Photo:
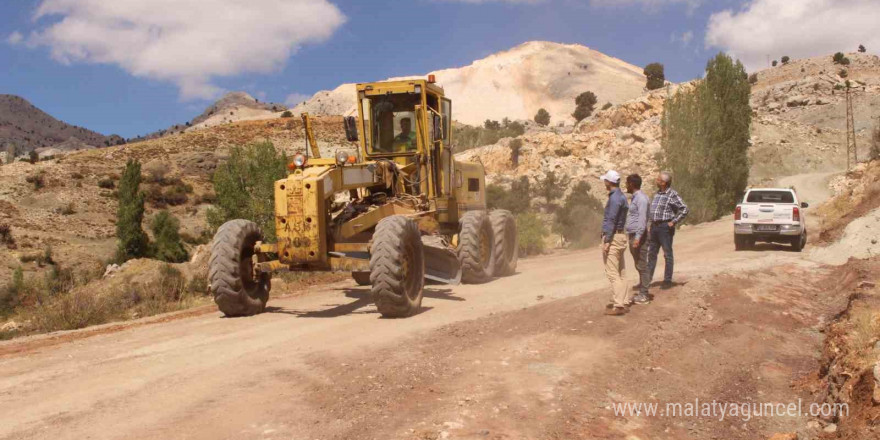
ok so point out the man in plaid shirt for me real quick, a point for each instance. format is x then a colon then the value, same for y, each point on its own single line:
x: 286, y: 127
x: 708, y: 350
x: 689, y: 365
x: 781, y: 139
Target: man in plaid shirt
x: 667, y: 210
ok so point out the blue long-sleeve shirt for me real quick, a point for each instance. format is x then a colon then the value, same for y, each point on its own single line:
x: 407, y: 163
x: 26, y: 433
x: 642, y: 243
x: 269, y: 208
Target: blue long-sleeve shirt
x: 615, y: 215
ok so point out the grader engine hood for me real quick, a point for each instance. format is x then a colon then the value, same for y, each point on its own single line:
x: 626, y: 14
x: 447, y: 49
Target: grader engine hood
x: 302, y: 210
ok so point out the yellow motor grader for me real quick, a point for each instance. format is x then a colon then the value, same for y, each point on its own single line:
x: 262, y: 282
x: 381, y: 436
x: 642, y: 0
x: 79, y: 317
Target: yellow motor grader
x: 400, y: 211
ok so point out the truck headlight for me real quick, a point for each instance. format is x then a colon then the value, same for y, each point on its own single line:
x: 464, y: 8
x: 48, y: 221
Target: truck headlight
x: 342, y: 158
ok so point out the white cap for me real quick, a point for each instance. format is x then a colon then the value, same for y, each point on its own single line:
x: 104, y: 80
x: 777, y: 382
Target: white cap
x: 611, y: 176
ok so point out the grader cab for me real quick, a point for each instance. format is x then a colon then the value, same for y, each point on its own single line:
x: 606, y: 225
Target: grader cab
x: 400, y: 211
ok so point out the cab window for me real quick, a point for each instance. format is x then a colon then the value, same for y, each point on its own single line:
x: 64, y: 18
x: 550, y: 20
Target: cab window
x: 393, y: 121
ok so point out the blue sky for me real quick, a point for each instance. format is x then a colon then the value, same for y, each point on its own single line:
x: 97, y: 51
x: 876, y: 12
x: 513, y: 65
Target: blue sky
x: 61, y: 70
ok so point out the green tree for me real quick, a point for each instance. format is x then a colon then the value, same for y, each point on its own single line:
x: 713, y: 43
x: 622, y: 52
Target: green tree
x: 516, y: 200
x: 585, y: 103
x: 542, y: 117
x: 753, y: 78
x: 166, y: 235
x: 579, y: 220
x: 551, y: 188
x: 531, y: 233
x: 775, y: 63
x: 245, y: 186
x: 785, y: 59
x: 515, y: 150
x: 706, y: 139
x: 33, y: 157
x: 838, y: 58
x: 656, y: 76
x: 133, y: 241
x: 862, y: 48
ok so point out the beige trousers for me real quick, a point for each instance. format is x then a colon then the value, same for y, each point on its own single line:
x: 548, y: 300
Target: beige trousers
x: 615, y: 270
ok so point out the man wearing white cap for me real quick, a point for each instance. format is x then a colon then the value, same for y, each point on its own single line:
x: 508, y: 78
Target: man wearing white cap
x: 614, y: 244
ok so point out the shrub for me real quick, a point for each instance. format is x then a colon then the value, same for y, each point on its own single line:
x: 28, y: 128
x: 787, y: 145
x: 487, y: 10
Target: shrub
x: 585, y: 103
x: 775, y: 63
x: 753, y: 78
x: 287, y: 114
x: 579, y: 220
x: 467, y: 137
x: 838, y: 57
x: 515, y: 149
x: 542, y: 117
x: 245, y: 187
x: 531, y: 233
x: 10, y: 295
x: 156, y: 172
x: 607, y: 106
x: 785, y: 59
x: 845, y: 61
x: 68, y: 209
x: 107, y: 183
x: 76, y: 175
x: 656, y: 76
x: 6, y: 234
x: 708, y: 157
x: 133, y: 241
x: 167, y: 245
x: 843, y: 73
x: 862, y: 48
x: 37, y: 180
x: 516, y: 200
x: 33, y: 157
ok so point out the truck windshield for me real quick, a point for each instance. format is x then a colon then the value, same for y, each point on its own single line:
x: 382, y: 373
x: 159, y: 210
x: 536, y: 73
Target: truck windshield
x: 393, y: 120
x: 770, y: 197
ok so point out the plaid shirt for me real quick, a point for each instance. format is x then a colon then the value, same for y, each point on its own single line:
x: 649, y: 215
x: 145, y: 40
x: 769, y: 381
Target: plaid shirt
x: 667, y: 206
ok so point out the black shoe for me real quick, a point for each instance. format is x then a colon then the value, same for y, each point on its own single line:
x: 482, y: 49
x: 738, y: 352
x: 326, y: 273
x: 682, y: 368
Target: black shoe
x: 666, y: 285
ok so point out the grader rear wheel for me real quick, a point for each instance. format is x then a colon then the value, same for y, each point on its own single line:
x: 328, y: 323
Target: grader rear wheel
x: 476, y: 248
x: 397, y: 267
x: 239, y: 290
x: 506, y: 242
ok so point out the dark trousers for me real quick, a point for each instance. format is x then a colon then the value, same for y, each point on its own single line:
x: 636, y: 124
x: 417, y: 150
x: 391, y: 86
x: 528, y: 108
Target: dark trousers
x: 661, y: 237
x: 640, y: 258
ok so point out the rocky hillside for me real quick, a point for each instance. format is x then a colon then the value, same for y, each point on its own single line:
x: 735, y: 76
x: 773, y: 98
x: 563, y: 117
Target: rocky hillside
x: 236, y: 106
x: 24, y: 128
x: 516, y: 83
x: 798, y: 126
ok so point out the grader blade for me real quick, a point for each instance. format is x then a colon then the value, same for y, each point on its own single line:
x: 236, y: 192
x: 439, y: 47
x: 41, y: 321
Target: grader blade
x: 441, y: 263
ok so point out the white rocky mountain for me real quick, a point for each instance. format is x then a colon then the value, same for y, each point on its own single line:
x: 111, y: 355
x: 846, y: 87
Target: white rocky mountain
x: 515, y: 84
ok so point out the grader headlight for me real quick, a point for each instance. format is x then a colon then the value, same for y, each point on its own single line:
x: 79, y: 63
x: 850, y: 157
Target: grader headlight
x: 299, y: 161
x: 342, y: 157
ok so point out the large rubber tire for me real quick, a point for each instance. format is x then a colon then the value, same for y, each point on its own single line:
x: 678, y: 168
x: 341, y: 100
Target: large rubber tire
x: 397, y: 267
x: 476, y: 248
x: 740, y: 243
x: 237, y: 290
x: 506, y: 242
x: 798, y: 243
x: 361, y: 278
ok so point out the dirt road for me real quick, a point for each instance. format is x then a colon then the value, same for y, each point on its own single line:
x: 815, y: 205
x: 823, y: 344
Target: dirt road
x: 528, y: 356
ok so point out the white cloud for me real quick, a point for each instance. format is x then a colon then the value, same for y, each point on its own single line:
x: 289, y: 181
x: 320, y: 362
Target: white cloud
x: 15, y: 38
x: 295, y: 98
x: 685, y: 38
x: 799, y: 29
x: 186, y: 42
x: 650, y: 5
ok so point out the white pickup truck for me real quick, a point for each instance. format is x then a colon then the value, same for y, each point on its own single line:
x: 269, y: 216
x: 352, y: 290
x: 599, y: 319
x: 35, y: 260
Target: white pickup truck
x: 771, y: 215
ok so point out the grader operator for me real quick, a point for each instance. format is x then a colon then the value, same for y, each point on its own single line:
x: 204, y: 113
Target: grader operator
x: 401, y: 211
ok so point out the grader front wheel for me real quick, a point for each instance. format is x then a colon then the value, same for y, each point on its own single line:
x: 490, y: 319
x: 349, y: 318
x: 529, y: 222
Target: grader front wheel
x: 397, y: 267
x: 239, y: 290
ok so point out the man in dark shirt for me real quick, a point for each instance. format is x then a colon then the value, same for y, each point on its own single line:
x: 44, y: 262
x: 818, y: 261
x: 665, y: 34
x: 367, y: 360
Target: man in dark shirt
x: 614, y: 244
x: 667, y: 211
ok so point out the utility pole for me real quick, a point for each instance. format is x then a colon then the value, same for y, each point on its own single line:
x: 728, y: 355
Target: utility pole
x: 852, y: 155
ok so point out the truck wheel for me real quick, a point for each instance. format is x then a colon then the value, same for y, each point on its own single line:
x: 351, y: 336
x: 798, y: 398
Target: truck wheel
x: 506, y: 242
x: 361, y: 278
x: 739, y: 242
x: 397, y: 267
x: 798, y: 243
x: 238, y: 289
x: 476, y: 248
